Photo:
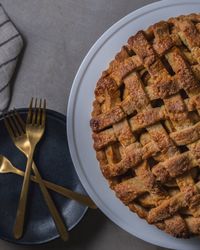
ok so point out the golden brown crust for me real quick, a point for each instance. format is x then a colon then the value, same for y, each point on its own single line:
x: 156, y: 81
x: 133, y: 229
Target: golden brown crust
x: 163, y: 41
x: 107, y: 119
x: 146, y: 125
x: 176, y: 226
x: 130, y: 189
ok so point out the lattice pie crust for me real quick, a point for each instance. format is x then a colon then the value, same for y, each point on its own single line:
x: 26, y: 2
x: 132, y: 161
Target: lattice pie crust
x: 146, y: 125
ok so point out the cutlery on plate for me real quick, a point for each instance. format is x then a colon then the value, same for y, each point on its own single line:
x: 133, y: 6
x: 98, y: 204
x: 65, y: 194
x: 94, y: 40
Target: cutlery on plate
x: 26, y: 140
x: 7, y: 167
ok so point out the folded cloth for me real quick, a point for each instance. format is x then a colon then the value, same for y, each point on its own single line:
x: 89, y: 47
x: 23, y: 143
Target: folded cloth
x: 11, y: 45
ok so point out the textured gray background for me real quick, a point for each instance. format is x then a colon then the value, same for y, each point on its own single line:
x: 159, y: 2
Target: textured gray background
x: 58, y: 34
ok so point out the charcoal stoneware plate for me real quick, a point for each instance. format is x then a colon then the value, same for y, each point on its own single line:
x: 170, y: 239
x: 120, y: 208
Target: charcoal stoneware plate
x: 54, y: 163
x: 80, y: 107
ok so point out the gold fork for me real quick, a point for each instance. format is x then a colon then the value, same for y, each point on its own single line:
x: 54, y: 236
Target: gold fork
x: 26, y: 141
x: 7, y: 167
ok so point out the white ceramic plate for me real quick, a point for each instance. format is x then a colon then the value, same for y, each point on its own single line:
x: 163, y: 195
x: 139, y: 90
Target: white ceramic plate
x: 79, y: 109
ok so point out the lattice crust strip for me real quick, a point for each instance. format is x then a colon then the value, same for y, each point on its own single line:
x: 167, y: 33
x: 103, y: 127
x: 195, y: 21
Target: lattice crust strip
x: 146, y: 125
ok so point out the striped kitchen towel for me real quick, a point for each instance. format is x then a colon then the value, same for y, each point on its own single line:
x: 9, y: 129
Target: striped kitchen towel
x: 11, y: 45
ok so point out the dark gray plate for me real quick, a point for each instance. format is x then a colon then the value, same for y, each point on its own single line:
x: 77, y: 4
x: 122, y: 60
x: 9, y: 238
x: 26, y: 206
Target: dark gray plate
x: 53, y: 160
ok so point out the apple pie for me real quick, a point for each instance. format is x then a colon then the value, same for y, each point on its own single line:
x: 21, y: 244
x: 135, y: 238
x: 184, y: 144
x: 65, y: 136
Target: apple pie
x: 146, y: 125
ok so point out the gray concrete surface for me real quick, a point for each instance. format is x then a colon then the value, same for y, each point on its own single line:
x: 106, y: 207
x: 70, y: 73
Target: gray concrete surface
x: 58, y: 34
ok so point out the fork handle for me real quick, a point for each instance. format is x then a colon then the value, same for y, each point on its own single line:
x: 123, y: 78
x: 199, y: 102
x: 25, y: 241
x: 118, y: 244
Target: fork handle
x: 21, y: 210
x: 52, y: 208
x: 84, y: 199
x: 81, y: 198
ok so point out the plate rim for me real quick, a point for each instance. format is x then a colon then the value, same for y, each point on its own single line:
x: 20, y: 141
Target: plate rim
x: 62, y: 118
x: 72, y: 102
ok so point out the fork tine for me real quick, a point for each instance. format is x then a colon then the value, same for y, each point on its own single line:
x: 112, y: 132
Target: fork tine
x: 13, y: 126
x: 8, y: 127
x: 20, y: 120
x: 34, y: 118
x: 39, y: 113
x: 30, y: 112
x: 17, y: 124
x: 43, y: 113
